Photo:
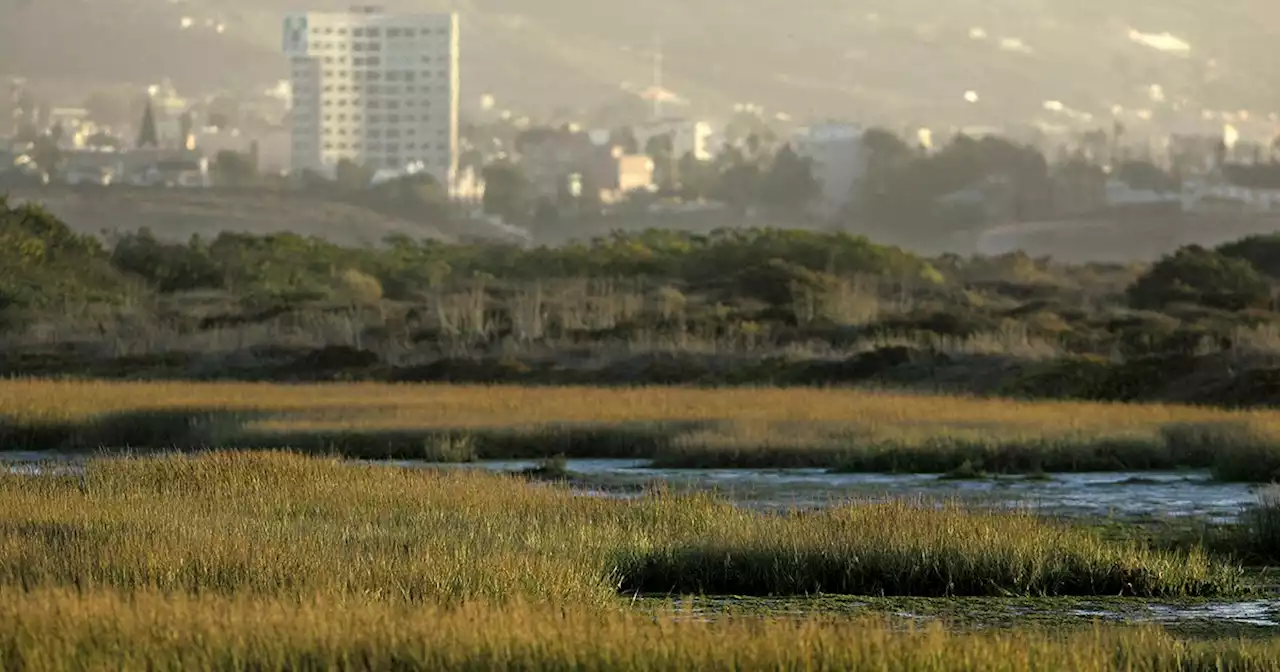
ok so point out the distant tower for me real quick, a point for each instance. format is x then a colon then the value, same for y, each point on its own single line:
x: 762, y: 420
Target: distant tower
x: 147, y: 136
x: 657, y: 76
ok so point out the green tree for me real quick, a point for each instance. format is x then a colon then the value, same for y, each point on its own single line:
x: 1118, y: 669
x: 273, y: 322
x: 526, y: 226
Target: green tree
x: 738, y: 182
x: 661, y: 148
x: 790, y: 183
x: 1196, y: 275
x: 147, y: 136
x: 506, y: 192
x: 1145, y: 175
x: 223, y: 112
x: 352, y: 176
x: 697, y: 177
x: 546, y: 216
x: 47, y: 155
x: 235, y: 169
x: 1262, y: 252
x: 625, y: 137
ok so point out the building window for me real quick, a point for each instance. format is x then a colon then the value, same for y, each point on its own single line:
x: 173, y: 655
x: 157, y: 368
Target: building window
x: 393, y: 32
x: 408, y: 32
x: 373, y: 32
x: 357, y: 32
x: 373, y: 60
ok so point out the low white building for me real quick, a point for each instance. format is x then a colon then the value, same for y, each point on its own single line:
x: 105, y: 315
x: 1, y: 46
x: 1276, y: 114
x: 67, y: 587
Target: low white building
x: 1234, y: 188
x: 1121, y: 195
x: 839, y: 161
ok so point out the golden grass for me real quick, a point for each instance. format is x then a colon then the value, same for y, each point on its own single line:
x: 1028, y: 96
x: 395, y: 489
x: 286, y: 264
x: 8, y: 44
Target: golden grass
x: 277, y: 525
x: 387, y: 406
x: 842, y: 429
x: 54, y: 630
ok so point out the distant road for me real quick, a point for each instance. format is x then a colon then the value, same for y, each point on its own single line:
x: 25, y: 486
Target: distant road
x: 1122, y: 239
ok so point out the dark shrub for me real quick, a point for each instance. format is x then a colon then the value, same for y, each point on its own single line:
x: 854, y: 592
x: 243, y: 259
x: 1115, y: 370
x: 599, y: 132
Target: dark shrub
x: 1203, y: 277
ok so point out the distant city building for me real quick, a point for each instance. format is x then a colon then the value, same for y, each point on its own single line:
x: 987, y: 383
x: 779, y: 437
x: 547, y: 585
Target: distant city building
x: 377, y: 89
x: 839, y: 161
x: 1235, y: 189
x: 687, y: 136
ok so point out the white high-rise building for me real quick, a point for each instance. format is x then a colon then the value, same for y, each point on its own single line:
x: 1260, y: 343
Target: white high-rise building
x: 378, y: 89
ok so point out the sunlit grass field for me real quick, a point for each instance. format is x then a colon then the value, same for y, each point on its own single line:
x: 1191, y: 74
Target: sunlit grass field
x: 273, y: 561
x: 48, y: 631
x: 676, y: 427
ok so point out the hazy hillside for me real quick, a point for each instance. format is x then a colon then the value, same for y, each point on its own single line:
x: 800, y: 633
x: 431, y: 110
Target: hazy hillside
x: 176, y: 214
x: 900, y: 60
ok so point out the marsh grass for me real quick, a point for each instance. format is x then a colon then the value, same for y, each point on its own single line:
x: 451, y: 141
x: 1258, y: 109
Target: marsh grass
x: 844, y: 430
x: 50, y: 630
x: 274, y: 524
x: 1258, y: 534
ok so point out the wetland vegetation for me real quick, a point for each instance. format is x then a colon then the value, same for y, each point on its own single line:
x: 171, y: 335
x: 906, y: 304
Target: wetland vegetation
x: 274, y: 561
x: 835, y: 429
x: 220, y: 522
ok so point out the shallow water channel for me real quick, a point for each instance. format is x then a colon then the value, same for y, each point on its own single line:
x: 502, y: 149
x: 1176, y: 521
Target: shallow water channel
x: 1131, y: 495
x: 1126, y: 494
